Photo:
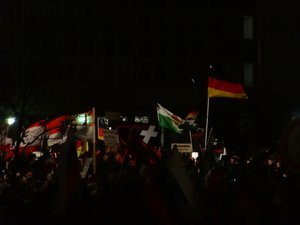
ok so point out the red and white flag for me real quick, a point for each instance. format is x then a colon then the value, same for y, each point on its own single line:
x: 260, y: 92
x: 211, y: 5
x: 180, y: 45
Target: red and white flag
x: 32, y: 138
x: 6, y: 146
x: 58, y: 128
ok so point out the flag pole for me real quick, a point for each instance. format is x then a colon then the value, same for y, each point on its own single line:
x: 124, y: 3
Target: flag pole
x: 162, y: 136
x: 94, y: 141
x: 191, y: 139
x: 206, y: 124
x: 162, y: 131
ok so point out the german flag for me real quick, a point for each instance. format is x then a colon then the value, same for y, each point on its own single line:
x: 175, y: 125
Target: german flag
x: 220, y: 88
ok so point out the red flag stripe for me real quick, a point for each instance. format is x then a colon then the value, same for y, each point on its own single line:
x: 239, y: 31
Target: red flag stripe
x: 225, y: 86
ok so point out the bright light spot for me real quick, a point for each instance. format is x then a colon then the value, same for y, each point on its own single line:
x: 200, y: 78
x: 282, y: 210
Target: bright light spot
x: 11, y: 120
x: 84, y: 119
x: 38, y: 154
x: 225, y: 151
x: 195, y: 155
x: 81, y: 119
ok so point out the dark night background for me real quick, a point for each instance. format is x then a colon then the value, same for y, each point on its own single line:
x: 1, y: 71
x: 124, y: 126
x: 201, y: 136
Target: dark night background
x: 128, y: 55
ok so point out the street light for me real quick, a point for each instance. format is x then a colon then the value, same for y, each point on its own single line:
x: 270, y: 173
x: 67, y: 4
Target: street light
x: 10, y: 120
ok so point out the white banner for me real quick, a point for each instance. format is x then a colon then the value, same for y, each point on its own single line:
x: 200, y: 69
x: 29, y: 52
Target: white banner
x: 111, y: 137
x: 183, y: 147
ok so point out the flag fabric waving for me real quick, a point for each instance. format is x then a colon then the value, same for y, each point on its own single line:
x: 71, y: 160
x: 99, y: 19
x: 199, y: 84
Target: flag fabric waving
x: 220, y: 88
x: 191, y: 117
x: 133, y: 144
x: 169, y: 120
x: 32, y: 138
x: 6, y: 146
x: 58, y: 128
x: 81, y: 147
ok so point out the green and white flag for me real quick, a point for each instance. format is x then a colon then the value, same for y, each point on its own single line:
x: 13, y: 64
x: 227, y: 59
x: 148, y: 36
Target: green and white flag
x: 169, y: 120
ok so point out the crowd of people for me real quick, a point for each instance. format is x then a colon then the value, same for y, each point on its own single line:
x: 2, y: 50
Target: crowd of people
x: 176, y: 189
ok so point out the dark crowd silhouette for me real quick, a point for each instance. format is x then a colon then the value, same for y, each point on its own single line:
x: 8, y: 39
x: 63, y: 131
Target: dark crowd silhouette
x: 172, y: 189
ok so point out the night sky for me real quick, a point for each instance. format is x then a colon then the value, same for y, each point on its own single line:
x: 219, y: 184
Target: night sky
x: 128, y: 55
